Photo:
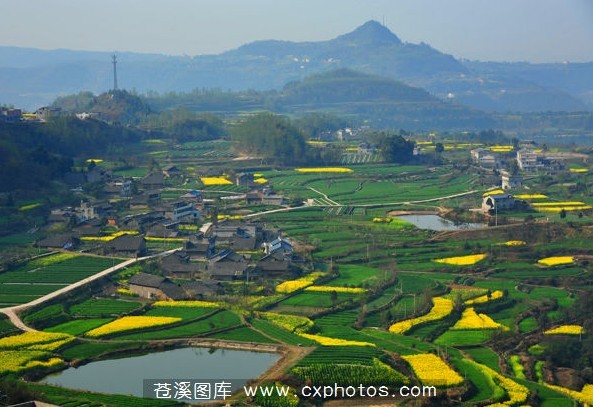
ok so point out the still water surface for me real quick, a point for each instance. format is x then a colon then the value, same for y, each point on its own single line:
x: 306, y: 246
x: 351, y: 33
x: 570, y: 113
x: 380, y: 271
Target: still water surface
x: 125, y: 376
x: 435, y: 222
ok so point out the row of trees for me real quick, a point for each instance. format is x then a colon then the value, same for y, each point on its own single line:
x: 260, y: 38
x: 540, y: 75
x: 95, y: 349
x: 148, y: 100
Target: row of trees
x: 281, y: 141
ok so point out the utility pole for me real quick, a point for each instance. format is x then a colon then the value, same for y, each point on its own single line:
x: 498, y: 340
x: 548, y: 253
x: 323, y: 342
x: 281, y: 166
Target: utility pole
x: 114, y: 61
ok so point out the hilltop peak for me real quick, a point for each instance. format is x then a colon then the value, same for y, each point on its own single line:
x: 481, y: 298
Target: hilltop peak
x: 371, y: 32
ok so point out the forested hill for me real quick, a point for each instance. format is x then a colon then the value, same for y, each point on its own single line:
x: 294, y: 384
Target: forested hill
x: 380, y: 102
x: 345, y: 85
x: 31, y: 78
x: 34, y: 154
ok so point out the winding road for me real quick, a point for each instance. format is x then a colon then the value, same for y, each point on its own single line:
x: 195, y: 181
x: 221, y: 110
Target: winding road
x: 12, y: 312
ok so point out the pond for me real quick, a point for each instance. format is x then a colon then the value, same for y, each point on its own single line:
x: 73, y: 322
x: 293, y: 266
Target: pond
x: 435, y: 222
x: 126, y: 376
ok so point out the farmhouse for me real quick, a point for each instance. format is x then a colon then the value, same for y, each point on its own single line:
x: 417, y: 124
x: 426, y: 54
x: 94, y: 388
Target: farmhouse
x: 170, y: 171
x: 511, y: 181
x: 151, y: 286
x: 276, y: 262
x: 199, y: 248
x: 244, y: 237
x: 126, y: 245
x: 61, y: 241
x: 178, y: 265
x: 498, y: 202
x: 146, y: 285
x: 484, y: 158
x: 153, y: 180
x: 227, y: 265
x: 278, y: 245
x: 182, y: 210
x: 244, y: 179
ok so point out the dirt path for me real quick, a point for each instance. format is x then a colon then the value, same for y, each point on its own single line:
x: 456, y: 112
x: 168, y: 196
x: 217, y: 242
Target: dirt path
x: 291, y: 355
x: 325, y: 196
x: 12, y: 312
x: 16, y: 321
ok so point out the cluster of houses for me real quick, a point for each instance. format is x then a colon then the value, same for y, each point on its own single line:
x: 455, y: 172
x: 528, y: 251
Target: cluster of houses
x: 11, y: 115
x: 204, y: 279
x: 527, y: 160
x: 212, y: 253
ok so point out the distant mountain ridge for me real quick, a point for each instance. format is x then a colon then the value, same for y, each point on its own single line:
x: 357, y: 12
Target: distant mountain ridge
x: 31, y: 78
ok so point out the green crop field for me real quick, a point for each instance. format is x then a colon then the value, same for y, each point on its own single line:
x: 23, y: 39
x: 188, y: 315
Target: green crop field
x: 344, y: 374
x: 63, y: 272
x: 67, y: 397
x: 317, y: 299
x: 49, y: 312
x: 89, y: 350
x: 186, y: 313
x: 5, y: 326
x: 485, y: 356
x: 103, y: 307
x: 78, y: 326
x: 281, y: 334
x: 243, y: 334
x: 216, y: 322
x: 351, y: 275
x: 357, y: 355
x: 464, y: 338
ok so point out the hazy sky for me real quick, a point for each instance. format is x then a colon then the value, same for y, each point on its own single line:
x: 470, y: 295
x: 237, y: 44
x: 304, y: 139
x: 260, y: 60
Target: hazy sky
x: 499, y: 30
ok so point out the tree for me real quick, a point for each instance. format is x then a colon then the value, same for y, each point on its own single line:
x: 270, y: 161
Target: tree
x: 273, y: 137
x: 394, y: 148
x: 563, y: 213
x: 334, y: 297
x: 439, y: 148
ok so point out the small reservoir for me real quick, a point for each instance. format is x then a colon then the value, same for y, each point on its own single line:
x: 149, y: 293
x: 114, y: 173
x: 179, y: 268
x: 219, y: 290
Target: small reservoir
x: 435, y: 222
x: 125, y: 376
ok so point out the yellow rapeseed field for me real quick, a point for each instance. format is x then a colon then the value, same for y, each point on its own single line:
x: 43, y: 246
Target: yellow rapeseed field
x: 433, y: 371
x: 260, y: 180
x: 108, y: 237
x: 470, y: 319
x: 579, y: 170
x: 324, y: 169
x: 440, y: 309
x: 13, y: 361
x: 515, y: 243
x: 300, y: 283
x: 565, y: 208
x: 484, y: 298
x: 563, y: 203
x: 462, y: 260
x: 493, y: 192
x: 32, y: 338
x: 215, y: 181
x: 531, y: 196
x: 565, y: 330
x: 517, y: 393
x: 556, y: 260
x: 501, y: 149
x: 289, y: 322
x: 130, y: 323
x: 584, y: 396
x: 327, y: 341
x: 95, y: 160
x: 164, y: 239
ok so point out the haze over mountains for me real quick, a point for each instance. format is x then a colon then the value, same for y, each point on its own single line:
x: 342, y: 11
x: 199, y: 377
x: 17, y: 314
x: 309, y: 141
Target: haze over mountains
x: 31, y: 78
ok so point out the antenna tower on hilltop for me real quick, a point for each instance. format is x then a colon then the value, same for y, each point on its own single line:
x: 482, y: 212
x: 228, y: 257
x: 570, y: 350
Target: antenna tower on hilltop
x: 114, y: 61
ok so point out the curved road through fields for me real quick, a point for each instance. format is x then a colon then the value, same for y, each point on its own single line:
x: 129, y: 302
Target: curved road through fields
x: 12, y: 312
x: 294, y: 208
